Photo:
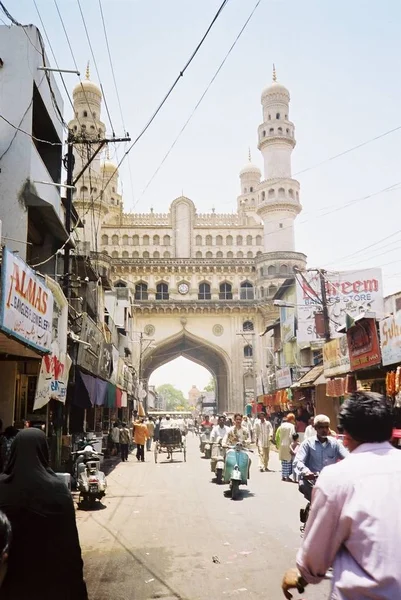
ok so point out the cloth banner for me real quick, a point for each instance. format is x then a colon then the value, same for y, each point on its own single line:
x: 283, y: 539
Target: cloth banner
x: 81, y: 396
x: 118, y: 397
x: 53, y: 378
x: 124, y: 400
x: 90, y: 384
x: 110, y: 396
x: 101, y: 392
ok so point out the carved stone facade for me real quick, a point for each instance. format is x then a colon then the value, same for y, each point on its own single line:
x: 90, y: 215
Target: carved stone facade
x: 202, y: 283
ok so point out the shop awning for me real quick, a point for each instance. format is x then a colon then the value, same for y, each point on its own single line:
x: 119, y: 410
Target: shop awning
x: 310, y: 378
x: 15, y: 349
x: 270, y: 327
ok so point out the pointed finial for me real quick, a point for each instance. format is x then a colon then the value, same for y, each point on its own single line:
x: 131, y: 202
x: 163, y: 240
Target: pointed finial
x: 249, y: 155
x: 274, y: 73
x: 87, y: 75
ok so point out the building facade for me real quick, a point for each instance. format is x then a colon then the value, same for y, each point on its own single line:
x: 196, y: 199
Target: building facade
x: 202, y: 283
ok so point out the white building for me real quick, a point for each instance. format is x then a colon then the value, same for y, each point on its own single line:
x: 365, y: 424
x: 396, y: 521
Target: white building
x: 202, y: 283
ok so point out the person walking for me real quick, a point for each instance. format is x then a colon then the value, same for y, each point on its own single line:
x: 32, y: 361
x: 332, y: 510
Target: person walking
x: 354, y: 524
x: 140, y: 437
x: 263, y: 435
x: 283, y: 441
x: 115, y: 438
x: 44, y: 532
x: 150, y: 424
x: 124, y: 440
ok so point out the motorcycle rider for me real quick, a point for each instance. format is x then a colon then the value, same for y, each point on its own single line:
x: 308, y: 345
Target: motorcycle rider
x: 315, y: 453
x: 206, y: 424
x: 237, y: 433
x: 220, y: 430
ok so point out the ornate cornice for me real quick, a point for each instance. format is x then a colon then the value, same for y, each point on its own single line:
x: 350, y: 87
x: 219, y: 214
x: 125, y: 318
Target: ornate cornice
x: 198, y: 307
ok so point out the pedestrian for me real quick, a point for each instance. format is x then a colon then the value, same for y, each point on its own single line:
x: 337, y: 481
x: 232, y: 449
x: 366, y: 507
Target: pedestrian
x: 124, y: 440
x: 150, y: 424
x: 141, y: 435
x: 310, y: 431
x: 40, y: 509
x: 263, y: 435
x: 5, y: 542
x: 354, y: 524
x: 283, y: 441
x: 294, y: 447
x: 156, y: 434
x: 115, y: 438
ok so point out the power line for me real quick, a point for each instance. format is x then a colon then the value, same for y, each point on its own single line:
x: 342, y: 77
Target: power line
x: 96, y: 67
x: 199, y: 102
x: 26, y: 132
x: 366, y: 247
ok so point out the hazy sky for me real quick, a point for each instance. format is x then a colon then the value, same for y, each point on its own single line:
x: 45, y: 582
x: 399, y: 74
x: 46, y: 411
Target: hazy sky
x: 341, y: 62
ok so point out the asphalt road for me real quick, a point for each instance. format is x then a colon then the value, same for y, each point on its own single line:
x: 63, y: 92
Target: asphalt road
x: 166, y: 531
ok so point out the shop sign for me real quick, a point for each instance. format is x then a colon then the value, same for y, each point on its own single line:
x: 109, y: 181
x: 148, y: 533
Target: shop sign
x: 288, y: 329
x: 336, y: 357
x: 26, y: 308
x: 390, y: 339
x: 89, y: 352
x: 106, y: 361
x: 53, y: 377
x: 283, y: 378
x: 347, y: 292
x: 363, y: 345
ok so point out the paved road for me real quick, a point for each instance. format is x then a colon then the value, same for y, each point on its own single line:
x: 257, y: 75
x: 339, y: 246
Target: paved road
x: 162, y: 524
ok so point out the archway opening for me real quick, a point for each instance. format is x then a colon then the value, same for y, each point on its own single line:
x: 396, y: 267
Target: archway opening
x: 197, y: 351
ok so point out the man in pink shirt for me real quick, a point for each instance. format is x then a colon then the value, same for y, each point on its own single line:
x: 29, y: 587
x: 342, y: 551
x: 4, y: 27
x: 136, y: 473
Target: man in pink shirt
x: 355, y: 523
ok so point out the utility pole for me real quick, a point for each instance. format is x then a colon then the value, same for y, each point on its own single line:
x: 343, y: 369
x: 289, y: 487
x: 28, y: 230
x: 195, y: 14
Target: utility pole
x: 326, y: 318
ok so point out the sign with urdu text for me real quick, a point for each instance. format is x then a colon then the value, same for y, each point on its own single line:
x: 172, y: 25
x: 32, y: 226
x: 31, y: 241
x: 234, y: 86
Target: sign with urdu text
x: 347, y: 292
x: 336, y: 357
x: 26, y: 308
x: 390, y: 339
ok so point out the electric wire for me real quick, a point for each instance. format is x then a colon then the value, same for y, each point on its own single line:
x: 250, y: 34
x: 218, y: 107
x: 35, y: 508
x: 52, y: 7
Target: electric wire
x: 18, y: 129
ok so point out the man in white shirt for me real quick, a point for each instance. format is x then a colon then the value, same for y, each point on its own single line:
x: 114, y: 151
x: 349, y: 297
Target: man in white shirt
x: 220, y: 431
x: 310, y: 431
x: 354, y: 524
x: 167, y: 423
x: 263, y: 435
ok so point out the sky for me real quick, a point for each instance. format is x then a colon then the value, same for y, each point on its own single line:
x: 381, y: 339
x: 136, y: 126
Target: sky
x: 182, y: 374
x: 341, y: 62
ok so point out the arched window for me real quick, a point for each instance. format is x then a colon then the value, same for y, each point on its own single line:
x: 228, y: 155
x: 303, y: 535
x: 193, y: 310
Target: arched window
x: 204, y: 291
x: 114, y: 240
x: 114, y: 254
x: 247, y: 326
x: 261, y: 271
x: 230, y: 255
x: 249, y: 254
x: 219, y: 240
x: 249, y: 240
x: 229, y: 240
x: 135, y: 254
x: 259, y: 253
x: 280, y: 131
x: 105, y: 240
x: 272, y: 290
x: 166, y: 255
x: 269, y: 118
x: 286, y: 117
x: 112, y: 200
x: 283, y: 270
x: 219, y: 254
x: 240, y: 254
x: 85, y: 113
x: 287, y: 131
x: 209, y: 254
x: 166, y: 240
x: 246, y: 291
x: 145, y: 240
x: 209, y: 240
x: 281, y: 192
x: 135, y: 240
x: 84, y: 189
x: 125, y: 240
x: 162, y: 291
x: 225, y: 291
x: 198, y: 254
x: 271, y: 131
x: 120, y: 284
x: 251, y: 189
x: 264, y: 133
x: 248, y: 351
x: 145, y: 254
x: 239, y: 240
x: 156, y: 240
x: 92, y: 127
x: 156, y: 254
x: 141, y: 291
x: 271, y: 193
x: 198, y: 240
x: 262, y: 291
x: 271, y: 270
x: 258, y: 240
x: 277, y: 115
x: 291, y: 193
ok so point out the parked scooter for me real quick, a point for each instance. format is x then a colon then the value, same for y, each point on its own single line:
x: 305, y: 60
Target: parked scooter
x: 205, y: 446
x: 91, y: 481
x: 218, y: 454
x: 236, y: 468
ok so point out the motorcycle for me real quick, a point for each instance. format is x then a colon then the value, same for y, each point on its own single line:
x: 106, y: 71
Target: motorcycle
x: 91, y: 481
x: 218, y: 454
x: 205, y: 446
x: 236, y: 468
x: 304, y: 512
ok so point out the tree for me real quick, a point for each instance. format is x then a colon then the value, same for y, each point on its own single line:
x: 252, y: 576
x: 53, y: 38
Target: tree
x: 174, y: 398
x: 211, y: 386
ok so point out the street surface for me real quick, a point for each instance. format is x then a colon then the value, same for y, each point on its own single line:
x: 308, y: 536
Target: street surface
x: 167, y: 532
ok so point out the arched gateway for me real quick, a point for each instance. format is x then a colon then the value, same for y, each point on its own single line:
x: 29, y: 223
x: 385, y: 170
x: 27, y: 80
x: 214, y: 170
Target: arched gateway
x: 201, y: 284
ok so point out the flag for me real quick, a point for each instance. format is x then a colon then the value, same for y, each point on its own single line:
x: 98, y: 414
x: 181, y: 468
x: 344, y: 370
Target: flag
x: 349, y: 321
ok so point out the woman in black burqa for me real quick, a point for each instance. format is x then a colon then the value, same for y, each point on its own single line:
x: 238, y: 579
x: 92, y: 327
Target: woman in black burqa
x: 45, y: 560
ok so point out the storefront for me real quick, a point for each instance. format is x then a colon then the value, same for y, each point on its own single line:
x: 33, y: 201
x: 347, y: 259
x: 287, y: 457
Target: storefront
x: 390, y: 343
